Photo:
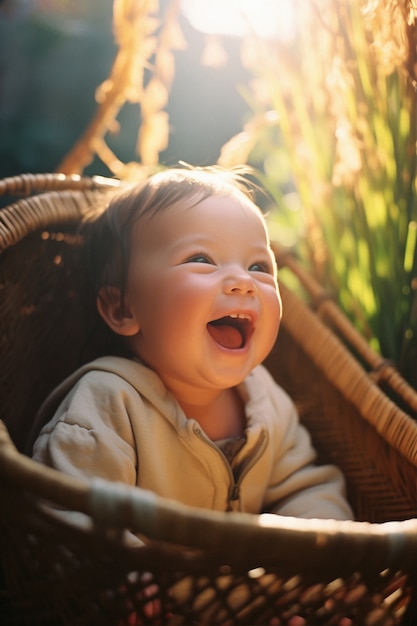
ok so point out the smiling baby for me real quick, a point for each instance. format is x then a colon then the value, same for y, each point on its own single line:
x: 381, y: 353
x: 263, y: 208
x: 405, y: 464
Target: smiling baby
x: 185, y: 278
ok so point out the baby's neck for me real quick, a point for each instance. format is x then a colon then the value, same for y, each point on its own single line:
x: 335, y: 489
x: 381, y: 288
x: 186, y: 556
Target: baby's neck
x: 222, y: 418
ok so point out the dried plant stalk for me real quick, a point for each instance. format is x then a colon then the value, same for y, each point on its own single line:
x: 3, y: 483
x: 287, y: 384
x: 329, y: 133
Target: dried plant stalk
x: 142, y: 73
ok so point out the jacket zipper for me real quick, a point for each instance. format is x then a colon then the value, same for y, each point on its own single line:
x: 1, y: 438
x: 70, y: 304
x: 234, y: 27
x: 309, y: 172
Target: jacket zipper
x: 234, y: 491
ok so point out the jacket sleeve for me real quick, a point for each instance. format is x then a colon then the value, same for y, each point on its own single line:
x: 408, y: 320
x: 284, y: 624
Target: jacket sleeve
x: 298, y: 487
x: 90, y: 434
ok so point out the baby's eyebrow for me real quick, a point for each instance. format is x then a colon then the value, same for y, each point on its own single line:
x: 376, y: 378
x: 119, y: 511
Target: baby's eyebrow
x: 193, y: 239
x: 261, y: 248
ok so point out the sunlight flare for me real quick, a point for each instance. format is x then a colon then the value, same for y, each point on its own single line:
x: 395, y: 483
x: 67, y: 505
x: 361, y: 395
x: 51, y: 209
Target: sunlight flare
x: 264, y: 18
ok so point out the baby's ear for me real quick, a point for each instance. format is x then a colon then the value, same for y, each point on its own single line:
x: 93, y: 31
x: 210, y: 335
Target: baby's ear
x: 115, y: 312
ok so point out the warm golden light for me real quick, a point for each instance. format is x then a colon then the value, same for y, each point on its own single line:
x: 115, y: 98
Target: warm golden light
x: 264, y: 18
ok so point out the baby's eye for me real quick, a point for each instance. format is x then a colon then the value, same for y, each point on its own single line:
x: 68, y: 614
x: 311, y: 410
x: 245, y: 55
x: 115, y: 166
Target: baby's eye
x: 261, y: 267
x: 199, y: 258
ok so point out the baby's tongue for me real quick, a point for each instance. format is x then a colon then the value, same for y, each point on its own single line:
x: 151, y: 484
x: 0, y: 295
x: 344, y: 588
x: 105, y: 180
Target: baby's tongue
x: 226, y: 335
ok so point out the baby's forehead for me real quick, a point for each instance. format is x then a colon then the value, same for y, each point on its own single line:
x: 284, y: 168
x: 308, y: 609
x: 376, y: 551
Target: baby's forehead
x: 191, y: 197
x: 201, y: 214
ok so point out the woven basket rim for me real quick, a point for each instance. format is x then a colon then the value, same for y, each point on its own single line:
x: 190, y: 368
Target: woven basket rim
x: 112, y: 505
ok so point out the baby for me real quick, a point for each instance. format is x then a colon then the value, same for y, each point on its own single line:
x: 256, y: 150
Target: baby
x: 185, y: 276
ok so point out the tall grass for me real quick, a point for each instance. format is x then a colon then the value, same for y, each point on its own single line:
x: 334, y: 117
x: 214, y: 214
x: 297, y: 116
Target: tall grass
x: 334, y: 127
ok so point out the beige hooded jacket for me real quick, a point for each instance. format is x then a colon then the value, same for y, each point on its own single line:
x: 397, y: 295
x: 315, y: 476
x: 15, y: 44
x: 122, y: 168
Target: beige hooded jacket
x: 115, y: 419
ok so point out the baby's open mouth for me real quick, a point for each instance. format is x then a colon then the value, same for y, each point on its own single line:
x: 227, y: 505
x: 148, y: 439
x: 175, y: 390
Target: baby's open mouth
x: 231, y: 331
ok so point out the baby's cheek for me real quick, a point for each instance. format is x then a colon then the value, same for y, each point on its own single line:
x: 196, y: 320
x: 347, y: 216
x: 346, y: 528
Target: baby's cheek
x: 275, y: 308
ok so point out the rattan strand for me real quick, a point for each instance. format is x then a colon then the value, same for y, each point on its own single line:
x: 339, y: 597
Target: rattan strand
x: 26, y: 184
x: 31, y: 214
x: 347, y: 375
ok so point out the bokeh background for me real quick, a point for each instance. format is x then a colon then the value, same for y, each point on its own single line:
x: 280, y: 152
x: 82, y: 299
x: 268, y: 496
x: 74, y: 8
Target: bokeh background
x: 53, y: 56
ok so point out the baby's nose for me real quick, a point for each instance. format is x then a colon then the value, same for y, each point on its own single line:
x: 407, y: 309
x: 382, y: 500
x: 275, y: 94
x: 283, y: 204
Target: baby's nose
x: 239, y: 283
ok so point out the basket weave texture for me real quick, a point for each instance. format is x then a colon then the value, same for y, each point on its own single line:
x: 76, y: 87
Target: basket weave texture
x: 200, y: 567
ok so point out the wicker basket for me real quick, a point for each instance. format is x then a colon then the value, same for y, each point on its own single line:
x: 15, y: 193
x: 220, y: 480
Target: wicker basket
x: 200, y: 567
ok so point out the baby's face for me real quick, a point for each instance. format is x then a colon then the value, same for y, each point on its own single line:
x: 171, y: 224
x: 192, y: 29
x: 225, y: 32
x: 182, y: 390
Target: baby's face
x: 202, y: 288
